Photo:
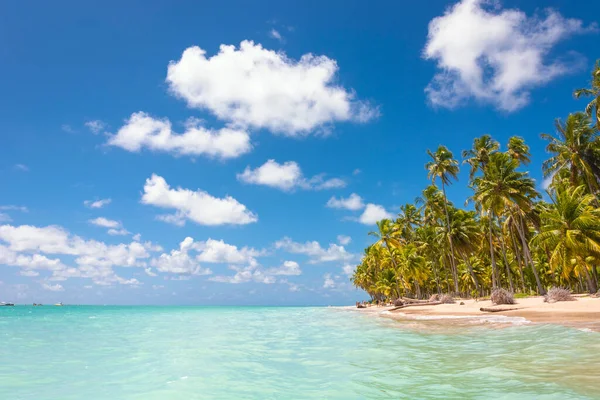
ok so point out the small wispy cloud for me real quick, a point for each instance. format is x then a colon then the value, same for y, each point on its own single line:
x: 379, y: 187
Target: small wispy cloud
x: 274, y: 33
x: 95, y: 126
x: 97, y: 203
x: 21, y: 167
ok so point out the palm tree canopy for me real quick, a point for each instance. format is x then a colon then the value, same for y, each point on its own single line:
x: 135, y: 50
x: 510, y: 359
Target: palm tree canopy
x: 442, y: 165
x: 478, y: 156
x: 576, y: 149
x: 594, y: 93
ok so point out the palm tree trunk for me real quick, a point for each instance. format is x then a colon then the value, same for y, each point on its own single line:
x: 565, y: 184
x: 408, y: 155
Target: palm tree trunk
x: 590, y: 282
x: 470, y: 268
x: 387, y: 246
x: 508, y: 274
x: 521, y: 229
x: 493, y: 258
x: 452, y: 260
x: 518, y: 256
x: 437, y: 279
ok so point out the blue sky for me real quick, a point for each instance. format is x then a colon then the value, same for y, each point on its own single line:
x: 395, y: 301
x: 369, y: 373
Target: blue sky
x: 127, y: 129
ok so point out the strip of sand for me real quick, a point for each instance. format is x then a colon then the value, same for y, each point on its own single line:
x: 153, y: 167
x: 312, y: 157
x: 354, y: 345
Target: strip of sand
x: 582, y: 312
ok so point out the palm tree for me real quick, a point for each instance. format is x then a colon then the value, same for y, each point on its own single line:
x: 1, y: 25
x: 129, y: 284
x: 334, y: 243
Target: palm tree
x: 502, y: 189
x: 408, y: 219
x: 466, y: 236
x: 479, y: 155
x: 575, y: 149
x: 444, y: 167
x: 388, y: 236
x: 518, y: 150
x: 594, y: 92
x: 571, y: 230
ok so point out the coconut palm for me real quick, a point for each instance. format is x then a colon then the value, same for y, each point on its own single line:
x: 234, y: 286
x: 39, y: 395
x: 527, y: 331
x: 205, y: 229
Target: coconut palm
x: 444, y: 167
x: 504, y: 190
x: 388, y: 236
x: 571, y: 230
x: 594, y: 93
x: 479, y: 155
x: 518, y: 150
x: 575, y: 149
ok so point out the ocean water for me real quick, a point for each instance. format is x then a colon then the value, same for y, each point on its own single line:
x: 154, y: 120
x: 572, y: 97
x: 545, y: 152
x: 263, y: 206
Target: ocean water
x: 94, y: 352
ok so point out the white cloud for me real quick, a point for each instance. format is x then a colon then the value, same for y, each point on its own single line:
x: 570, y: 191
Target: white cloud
x: 260, y: 88
x: 179, y: 261
x: 95, y: 126
x: 25, y: 246
x: 217, y: 251
x: 197, y: 206
x: 314, y: 251
x: 276, y: 35
x: 287, y: 268
x: 493, y: 55
x: 356, y: 171
x: 115, y: 227
x: 97, y: 203
x: 287, y: 176
x: 53, y: 288
x: 328, y: 283
x: 353, y: 202
x: 5, y: 217
x: 149, y: 272
x: 105, y: 223
x: 143, y: 131
x: 118, y: 232
x: 374, y: 213
x: 21, y: 167
x: 344, y: 240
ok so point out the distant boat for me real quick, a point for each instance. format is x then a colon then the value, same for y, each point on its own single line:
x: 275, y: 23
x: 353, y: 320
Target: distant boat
x: 7, y: 304
x: 58, y: 304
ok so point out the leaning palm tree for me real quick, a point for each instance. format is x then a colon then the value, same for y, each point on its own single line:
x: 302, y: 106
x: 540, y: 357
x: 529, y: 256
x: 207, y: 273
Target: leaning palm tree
x: 575, y: 149
x: 444, y: 167
x: 594, y: 93
x: 571, y: 230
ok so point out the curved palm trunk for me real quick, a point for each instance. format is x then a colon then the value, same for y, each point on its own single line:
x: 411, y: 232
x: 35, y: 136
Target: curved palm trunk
x: 452, y: 260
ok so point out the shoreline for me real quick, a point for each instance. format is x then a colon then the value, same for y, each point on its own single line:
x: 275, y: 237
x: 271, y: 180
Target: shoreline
x: 584, y: 312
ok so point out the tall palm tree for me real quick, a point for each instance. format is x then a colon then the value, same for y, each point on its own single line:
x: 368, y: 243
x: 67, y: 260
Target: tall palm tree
x: 502, y: 189
x: 479, y: 155
x: 466, y: 236
x: 571, y: 229
x: 575, y: 149
x: 444, y: 167
x: 594, y: 92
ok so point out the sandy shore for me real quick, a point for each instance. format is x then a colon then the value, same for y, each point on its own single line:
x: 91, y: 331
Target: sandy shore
x: 583, y: 312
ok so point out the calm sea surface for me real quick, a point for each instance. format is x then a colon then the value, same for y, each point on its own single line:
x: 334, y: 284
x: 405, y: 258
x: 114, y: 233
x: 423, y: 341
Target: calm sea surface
x: 94, y: 352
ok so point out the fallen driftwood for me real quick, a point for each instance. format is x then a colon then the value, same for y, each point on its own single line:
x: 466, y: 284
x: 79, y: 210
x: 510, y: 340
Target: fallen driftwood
x: 487, y: 309
x: 429, y: 303
x: 414, y: 301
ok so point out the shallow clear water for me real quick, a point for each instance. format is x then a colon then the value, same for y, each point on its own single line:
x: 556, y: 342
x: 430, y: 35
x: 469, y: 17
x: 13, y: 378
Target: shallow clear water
x: 282, y: 353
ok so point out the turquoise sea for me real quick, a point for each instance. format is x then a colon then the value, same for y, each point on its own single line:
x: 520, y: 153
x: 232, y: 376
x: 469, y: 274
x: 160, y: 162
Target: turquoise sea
x: 95, y: 352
